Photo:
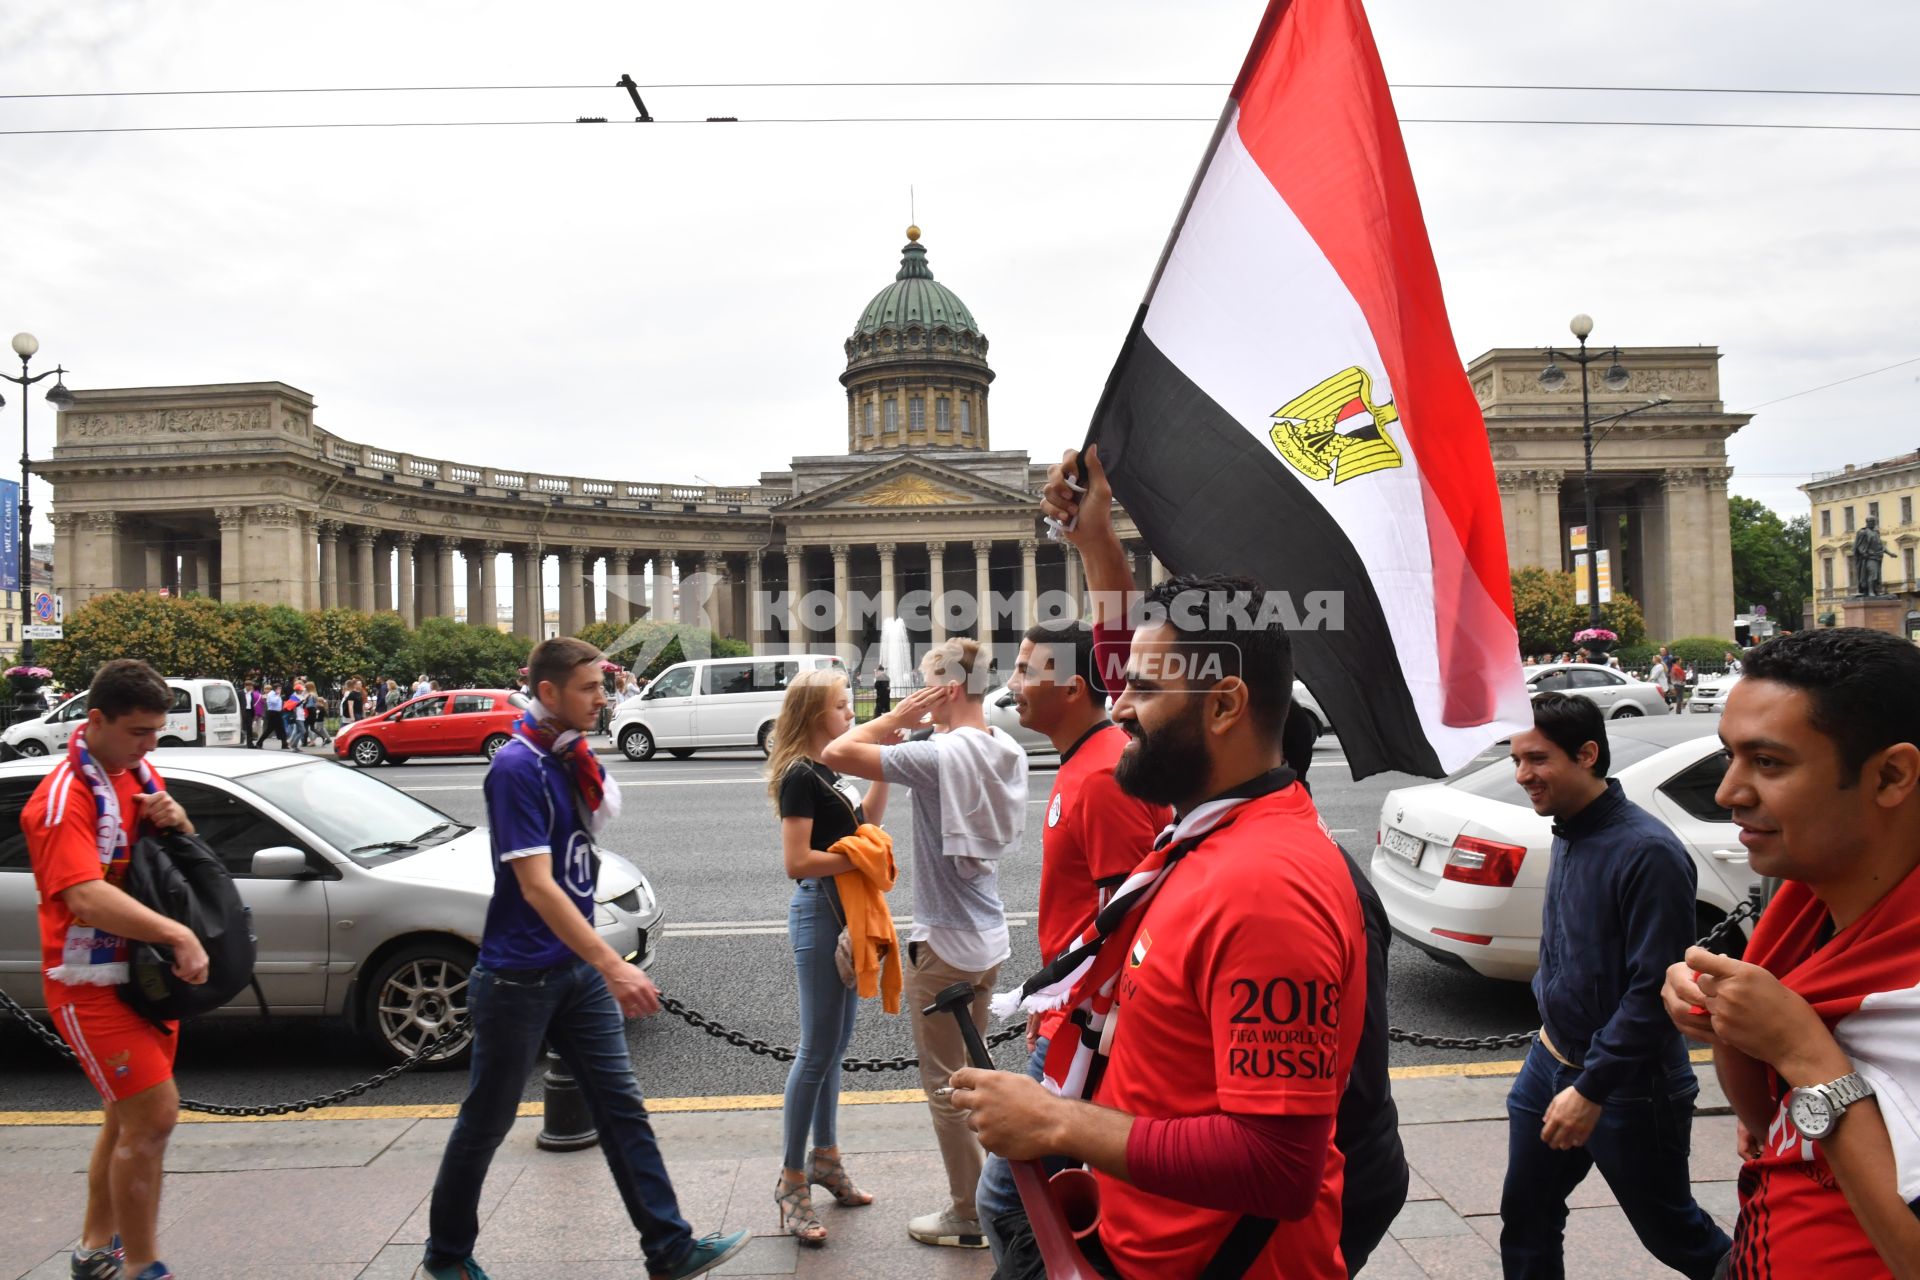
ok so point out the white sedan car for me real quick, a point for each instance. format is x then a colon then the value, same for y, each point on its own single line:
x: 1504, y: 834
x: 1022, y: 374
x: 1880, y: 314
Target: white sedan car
x: 1461, y: 865
x: 1709, y: 697
x: 1616, y: 693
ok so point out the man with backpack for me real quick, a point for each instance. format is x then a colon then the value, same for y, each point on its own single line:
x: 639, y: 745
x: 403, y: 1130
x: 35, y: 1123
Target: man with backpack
x: 80, y: 827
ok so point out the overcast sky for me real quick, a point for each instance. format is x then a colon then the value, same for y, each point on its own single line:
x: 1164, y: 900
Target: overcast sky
x: 668, y: 302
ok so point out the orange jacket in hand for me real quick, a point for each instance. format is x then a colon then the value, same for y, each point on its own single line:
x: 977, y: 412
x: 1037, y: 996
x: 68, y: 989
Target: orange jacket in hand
x: 863, y: 896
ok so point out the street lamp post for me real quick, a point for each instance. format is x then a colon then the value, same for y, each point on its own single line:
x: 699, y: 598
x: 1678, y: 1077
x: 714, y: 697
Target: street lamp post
x: 24, y: 346
x: 1552, y: 378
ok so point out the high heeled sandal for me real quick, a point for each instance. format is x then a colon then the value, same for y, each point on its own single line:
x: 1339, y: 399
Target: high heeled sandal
x: 827, y: 1171
x: 795, y: 1205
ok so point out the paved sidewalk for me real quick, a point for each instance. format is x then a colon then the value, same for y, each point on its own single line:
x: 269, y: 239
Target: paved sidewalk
x: 340, y: 1199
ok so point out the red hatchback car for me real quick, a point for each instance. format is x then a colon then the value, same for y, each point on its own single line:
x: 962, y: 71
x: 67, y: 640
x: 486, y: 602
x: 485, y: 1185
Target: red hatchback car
x: 462, y: 722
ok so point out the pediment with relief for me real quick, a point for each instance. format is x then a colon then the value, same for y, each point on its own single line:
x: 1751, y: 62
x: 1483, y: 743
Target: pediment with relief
x: 905, y: 483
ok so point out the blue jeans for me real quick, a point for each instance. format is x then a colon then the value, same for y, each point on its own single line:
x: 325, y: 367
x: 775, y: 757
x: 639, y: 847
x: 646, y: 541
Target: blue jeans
x: 1640, y: 1145
x: 569, y: 1007
x: 997, y: 1194
x: 827, y: 1010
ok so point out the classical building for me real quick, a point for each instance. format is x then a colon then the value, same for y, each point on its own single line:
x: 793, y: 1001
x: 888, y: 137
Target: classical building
x: 234, y: 491
x: 1842, y: 502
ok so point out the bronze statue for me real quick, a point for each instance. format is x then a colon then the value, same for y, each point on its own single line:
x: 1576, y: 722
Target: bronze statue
x: 1868, y: 550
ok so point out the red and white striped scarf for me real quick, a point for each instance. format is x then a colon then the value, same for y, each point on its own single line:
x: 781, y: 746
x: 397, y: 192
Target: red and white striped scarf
x: 1085, y: 978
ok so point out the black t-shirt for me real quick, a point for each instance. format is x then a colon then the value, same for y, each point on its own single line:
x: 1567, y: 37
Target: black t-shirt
x: 811, y: 790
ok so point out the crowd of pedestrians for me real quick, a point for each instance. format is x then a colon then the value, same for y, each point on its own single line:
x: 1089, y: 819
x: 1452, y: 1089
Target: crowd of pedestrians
x: 1206, y: 1039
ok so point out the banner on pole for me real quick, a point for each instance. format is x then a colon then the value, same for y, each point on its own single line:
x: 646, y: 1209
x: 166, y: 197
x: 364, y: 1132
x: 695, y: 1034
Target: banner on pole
x: 9, y: 535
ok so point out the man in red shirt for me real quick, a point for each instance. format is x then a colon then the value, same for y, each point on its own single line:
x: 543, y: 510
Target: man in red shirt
x: 1814, y: 1035
x: 1093, y: 836
x: 1238, y: 997
x: 80, y: 825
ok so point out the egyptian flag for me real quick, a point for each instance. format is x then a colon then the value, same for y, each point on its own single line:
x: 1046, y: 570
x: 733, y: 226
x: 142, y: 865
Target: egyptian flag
x: 1290, y: 406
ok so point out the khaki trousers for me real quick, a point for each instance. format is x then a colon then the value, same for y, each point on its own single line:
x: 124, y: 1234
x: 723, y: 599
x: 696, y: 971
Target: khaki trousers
x: 942, y: 1052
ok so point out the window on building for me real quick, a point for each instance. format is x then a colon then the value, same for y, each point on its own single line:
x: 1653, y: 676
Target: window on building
x: 943, y: 414
x: 892, y: 416
x: 1906, y: 511
x: 1826, y: 522
x: 1826, y: 573
x: 917, y: 413
x: 866, y: 413
x: 966, y: 417
x: 1906, y: 563
x: 1873, y: 511
x: 1846, y: 519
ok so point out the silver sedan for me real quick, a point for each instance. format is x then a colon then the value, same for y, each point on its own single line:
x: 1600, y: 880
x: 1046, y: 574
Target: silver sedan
x: 368, y: 903
x: 1616, y: 693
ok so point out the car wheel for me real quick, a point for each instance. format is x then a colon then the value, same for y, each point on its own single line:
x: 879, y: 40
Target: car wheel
x: 398, y: 759
x: 419, y: 993
x: 679, y: 753
x: 170, y: 742
x: 766, y: 739
x: 493, y: 744
x: 367, y: 752
x: 636, y: 744
x: 33, y: 747
x: 1626, y: 709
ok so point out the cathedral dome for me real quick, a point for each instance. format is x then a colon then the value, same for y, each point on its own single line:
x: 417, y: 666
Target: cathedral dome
x: 916, y: 298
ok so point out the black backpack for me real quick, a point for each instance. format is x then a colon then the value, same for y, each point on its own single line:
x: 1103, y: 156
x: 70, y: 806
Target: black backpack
x: 178, y: 876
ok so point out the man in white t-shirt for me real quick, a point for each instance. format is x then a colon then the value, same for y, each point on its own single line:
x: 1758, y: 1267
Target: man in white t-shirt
x: 969, y: 785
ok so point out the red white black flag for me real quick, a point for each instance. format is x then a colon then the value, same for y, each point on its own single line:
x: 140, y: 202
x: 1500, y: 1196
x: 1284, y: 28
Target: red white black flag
x: 1290, y: 406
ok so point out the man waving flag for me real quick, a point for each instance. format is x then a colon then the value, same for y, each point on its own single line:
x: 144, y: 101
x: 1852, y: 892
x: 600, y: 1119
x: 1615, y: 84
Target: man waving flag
x: 1289, y: 405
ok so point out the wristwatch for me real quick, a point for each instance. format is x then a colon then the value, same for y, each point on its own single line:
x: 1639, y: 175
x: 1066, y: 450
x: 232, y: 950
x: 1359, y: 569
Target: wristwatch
x: 1816, y: 1109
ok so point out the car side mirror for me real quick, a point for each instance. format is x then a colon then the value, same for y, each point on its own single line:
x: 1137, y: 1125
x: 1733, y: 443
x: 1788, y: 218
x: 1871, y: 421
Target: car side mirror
x: 280, y: 863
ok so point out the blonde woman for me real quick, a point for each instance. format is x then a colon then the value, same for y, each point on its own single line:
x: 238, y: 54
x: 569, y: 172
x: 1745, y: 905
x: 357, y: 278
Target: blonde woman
x: 817, y: 807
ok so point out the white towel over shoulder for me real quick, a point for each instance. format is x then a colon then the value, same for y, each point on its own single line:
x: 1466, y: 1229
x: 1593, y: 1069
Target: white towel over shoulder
x: 983, y: 792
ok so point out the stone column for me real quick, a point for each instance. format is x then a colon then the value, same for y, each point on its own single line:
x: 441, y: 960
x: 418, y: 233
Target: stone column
x: 588, y: 612
x: 408, y: 543
x: 155, y: 568
x: 233, y: 537
x: 661, y: 609
x: 937, y: 583
x: 889, y: 600
x: 619, y: 587
x: 472, y: 561
x: 756, y: 611
x: 686, y: 606
x: 524, y: 623
x: 703, y: 593
x: 1076, y: 588
x: 572, y: 564
x: 363, y: 569
x: 1672, y: 613
x: 1551, y: 529
x: 1029, y: 582
x: 443, y: 576
x: 201, y: 564
x: 842, y: 615
x: 796, y: 587
x: 425, y: 596
x: 488, y: 612
x: 983, y: 589
x: 1717, y: 598
x: 328, y: 532
x: 383, y: 601
x: 65, y: 581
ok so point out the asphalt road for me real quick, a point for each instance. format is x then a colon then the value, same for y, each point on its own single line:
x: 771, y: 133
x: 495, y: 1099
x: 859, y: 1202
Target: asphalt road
x: 703, y: 831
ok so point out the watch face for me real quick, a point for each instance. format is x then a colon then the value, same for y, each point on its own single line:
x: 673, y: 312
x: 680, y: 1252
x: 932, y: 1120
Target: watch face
x: 1810, y: 1113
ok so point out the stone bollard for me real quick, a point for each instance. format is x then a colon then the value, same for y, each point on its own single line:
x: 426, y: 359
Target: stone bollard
x: 568, y: 1124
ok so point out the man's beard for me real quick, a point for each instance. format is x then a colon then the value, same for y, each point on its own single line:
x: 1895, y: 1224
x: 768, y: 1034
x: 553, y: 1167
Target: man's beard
x: 1169, y: 765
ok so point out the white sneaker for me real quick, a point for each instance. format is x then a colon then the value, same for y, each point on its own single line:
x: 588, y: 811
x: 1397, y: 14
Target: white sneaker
x: 948, y: 1228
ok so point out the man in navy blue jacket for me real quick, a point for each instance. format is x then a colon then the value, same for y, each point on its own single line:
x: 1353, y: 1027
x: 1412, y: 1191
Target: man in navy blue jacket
x: 1609, y: 1082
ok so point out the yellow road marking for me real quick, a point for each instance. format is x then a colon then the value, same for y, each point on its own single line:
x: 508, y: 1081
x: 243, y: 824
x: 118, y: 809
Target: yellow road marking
x: 670, y: 1106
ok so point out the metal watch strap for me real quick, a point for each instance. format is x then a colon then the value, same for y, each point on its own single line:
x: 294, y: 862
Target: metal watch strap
x: 1847, y: 1090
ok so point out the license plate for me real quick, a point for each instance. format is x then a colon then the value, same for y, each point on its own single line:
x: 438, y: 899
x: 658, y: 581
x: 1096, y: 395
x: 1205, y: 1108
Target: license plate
x: 1406, y: 847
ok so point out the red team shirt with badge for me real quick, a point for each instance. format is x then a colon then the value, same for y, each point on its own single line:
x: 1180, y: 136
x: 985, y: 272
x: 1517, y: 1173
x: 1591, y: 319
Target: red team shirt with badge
x: 1094, y: 831
x: 1245, y: 994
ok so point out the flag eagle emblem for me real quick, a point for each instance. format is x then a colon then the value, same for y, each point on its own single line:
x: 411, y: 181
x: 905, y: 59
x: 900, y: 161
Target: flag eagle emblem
x: 1138, y: 956
x: 1308, y: 433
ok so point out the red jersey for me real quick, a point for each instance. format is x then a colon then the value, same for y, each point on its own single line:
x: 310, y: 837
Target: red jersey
x: 1244, y: 993
x: 1094, y: 832
x: 63, y: 848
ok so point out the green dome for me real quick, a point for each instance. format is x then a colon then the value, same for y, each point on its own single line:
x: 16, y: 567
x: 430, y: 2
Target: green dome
x: 915, y: 297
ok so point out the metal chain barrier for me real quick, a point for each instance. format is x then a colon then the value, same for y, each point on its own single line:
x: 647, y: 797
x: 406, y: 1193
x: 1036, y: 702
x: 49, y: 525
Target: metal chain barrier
x: 781, y: 1053
x: 1748, y: 910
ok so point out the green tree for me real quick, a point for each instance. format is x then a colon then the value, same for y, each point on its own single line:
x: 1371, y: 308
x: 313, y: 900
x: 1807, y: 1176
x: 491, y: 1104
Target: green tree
x: 1772, y: 559
x: 271, y: 639
x: 1546, y: 616
x: 655, y: 646
x: 119, y: 624
x: 339, y: 645
x: 460, y: 654
x: 389, y: 649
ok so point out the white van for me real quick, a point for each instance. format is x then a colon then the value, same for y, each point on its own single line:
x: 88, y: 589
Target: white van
x: 715, y: 702
x: 205, y: 713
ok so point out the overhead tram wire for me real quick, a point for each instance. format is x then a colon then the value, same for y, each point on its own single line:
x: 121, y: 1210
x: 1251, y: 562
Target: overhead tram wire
x: 822, y: 120
x: 947, y: 84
